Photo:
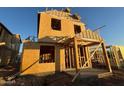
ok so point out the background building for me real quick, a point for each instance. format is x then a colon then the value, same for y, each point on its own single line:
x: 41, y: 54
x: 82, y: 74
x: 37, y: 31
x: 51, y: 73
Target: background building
x: 9, y: 46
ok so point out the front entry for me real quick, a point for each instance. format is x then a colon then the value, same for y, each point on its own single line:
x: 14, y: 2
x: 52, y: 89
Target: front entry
x: 69, y: 57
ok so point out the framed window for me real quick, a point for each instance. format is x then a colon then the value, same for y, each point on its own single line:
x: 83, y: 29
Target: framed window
x: 56, y: 24
x: 77, y: 29
x: 47, y: 54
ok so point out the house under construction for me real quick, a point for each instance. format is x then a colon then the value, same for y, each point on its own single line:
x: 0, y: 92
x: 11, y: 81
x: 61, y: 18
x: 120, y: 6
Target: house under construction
x: 63, y: 44
x: 9, y: 46
x: 115, y: 54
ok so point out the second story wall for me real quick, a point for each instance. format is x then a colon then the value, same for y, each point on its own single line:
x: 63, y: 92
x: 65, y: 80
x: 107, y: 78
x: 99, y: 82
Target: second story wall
x: 52, y: 28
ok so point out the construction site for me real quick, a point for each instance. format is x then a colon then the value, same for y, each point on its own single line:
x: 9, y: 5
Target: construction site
x: 64, y: 53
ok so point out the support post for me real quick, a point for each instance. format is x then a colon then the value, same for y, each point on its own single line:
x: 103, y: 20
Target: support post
x: 88, y: 53
x: 106, y: 57
x: 76, y: 54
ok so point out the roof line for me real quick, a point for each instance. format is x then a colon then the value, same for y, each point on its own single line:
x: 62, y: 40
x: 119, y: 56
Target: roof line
x: 6, y: 28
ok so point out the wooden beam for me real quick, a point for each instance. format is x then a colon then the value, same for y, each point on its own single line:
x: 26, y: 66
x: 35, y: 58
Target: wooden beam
x: 88, y: 40
x: 76, y: 54
x: 106, y: 57
x: 2, y: 43
x: 91, y: 43
x: 106, y: 74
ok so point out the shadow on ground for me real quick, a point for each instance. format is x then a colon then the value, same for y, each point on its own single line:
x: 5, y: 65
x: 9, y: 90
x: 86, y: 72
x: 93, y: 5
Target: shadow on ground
x: 64, y: 79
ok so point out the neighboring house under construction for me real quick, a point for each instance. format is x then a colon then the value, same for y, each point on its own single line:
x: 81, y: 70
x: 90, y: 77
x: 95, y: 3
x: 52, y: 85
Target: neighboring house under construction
x: 63, y: 44
x: 9, y: 46
x: 115, y: 54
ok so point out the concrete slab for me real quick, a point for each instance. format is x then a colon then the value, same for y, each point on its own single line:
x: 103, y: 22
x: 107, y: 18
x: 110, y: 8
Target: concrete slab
x: 88, y: 72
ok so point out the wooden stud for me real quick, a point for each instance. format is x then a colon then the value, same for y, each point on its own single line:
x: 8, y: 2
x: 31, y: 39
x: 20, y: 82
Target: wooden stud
x: 72, y: 56
x: 90, y: 34
x: 111, y: 55
x: 79, y: 56
x: 76, y: 54
x: 70, y: 61
x: 95, y: 35
x: 106, y: 57
x: 67, y: 58
x: 82, y: 56
x: 88, y: 52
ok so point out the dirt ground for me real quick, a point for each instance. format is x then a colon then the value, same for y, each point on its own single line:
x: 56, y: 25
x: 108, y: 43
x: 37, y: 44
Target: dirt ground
x: 60, y: 79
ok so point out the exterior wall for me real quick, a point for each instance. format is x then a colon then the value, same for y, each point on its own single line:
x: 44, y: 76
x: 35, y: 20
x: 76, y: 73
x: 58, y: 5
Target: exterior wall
x: 31, y: 53
x: 47, y: 34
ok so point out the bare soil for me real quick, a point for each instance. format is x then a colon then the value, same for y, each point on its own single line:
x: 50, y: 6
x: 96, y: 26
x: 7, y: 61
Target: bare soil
x: 60, y: 79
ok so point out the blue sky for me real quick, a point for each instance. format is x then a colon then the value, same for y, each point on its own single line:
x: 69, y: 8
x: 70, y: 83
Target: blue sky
x: 24, y: 21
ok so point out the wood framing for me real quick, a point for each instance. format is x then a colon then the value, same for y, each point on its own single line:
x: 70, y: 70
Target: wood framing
x: 76, y: 54
x: 71, y: 39
x: 9, y: 46
x: 106, y: 57
x: 2, y: 43
x: 114, y: 49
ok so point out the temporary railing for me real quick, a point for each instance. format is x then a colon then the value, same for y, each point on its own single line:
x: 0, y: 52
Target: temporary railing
x: 88, y: 34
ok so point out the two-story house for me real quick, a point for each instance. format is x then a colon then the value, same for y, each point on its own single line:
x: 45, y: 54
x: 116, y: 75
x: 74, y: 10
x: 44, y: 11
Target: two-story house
x: 9, y: 45
x: 63, y: 44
